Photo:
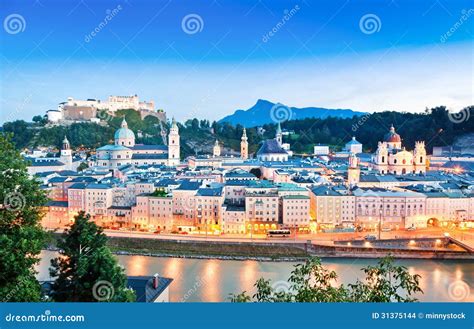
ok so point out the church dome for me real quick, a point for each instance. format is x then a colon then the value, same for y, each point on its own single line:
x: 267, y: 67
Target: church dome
x: 392, y: 136
x: 123, y: 132
x: 124, y: 136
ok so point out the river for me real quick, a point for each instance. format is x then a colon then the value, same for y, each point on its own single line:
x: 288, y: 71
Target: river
x: 210, y: 280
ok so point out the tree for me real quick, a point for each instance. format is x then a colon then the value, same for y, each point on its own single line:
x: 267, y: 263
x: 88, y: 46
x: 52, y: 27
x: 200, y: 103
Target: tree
x: 82, y: 166
x: 159, y: 193
x: 311, y: 282
x: 86, y: 270
x: 21, y: 235
x: 256, y: 171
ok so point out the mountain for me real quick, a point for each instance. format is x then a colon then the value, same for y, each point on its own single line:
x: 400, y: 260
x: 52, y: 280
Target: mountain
x: 264, y: 112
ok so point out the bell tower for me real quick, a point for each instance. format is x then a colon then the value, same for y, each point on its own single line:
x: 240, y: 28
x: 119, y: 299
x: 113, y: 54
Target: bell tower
x: 244, y: 146
x: 66, y: 154
x: 216, y: 150
x: 353, y: 172
x: 279, y: 135
x: 173, y: 145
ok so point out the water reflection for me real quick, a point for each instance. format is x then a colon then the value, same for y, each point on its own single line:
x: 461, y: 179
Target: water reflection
x: 209, y: 280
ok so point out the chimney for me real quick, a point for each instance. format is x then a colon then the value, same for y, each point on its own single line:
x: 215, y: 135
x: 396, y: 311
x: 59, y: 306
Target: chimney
x: 155, y: 281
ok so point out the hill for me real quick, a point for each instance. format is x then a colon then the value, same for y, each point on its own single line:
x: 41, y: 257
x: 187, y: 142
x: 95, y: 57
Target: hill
x: 264, y: 112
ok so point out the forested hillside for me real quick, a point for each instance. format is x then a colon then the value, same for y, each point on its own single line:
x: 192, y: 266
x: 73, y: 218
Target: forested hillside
x: 435, y: 126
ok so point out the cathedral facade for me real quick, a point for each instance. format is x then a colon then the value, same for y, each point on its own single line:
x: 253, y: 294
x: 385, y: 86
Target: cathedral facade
x: 392, y: 158
x: 124, y: 151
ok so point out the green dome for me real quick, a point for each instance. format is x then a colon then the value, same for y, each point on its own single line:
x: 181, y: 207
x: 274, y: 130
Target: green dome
x: 123, y: 132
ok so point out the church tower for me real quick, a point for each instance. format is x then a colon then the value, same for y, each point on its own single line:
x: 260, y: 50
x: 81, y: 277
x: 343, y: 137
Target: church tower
x: 278, y: 135
x: 66, y: 154
x: 173, y: 145
x: 353, y: 172
x: 419, y: 158
x: 381, y: 158
x: 244, y: 146
x: 216, y: 150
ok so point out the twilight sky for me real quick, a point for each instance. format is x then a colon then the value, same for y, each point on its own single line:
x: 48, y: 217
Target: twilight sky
x: 407, y: 56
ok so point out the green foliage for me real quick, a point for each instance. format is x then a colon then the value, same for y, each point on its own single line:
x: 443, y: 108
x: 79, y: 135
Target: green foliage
x: 159, y: 193
x: 198, y: 136
x: 311, y: 282
x: 86, y: 270
x: 82, y: 166
x: 256, y: 171
x: 21, y: 235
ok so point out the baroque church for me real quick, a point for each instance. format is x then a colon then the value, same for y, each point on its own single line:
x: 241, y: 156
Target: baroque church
x: 124, y: 151
x: 392, y: 158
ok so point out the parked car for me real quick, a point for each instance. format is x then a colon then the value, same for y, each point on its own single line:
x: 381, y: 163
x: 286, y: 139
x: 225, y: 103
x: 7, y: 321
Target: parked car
x: 386, y: 229
x: 411, y: 228
x: 370, y: 237
x: 183, y: 232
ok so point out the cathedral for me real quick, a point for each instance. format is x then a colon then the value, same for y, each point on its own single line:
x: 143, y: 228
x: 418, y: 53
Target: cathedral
x: 392, y: 158
x: 124, y: 151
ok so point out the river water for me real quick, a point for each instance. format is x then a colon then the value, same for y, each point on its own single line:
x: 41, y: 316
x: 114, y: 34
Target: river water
x: 210, y: 280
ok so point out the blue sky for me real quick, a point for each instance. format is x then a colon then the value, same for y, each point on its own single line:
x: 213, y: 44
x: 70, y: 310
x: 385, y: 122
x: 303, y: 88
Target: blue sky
x: 418, y: 54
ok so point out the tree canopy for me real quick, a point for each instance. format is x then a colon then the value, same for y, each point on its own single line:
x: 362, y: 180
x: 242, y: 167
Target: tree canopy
x: 86, y: 270
x: 21, y: 235
x: 311, y: 282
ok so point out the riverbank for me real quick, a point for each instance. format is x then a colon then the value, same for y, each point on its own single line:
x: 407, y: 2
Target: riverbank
x: 270, y: 251
x: 200, y: 249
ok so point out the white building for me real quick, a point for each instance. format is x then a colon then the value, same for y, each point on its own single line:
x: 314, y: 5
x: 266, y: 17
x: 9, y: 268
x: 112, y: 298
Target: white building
x: 392, y: 158
x: 321, y: 149
x: 124, y: 151
x: 353, y: 146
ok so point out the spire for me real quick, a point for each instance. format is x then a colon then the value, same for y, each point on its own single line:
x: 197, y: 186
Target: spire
x: 392, y: 128
x: 353, y: 138
x: 124, y: 123
x: 244, y: 135
x: 66, y: 145
x: 173, y: 123
x: 217, y: 143
x: 278, y: 128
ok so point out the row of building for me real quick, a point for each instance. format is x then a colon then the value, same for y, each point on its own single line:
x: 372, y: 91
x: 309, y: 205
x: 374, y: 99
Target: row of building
x: 238, y: 202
